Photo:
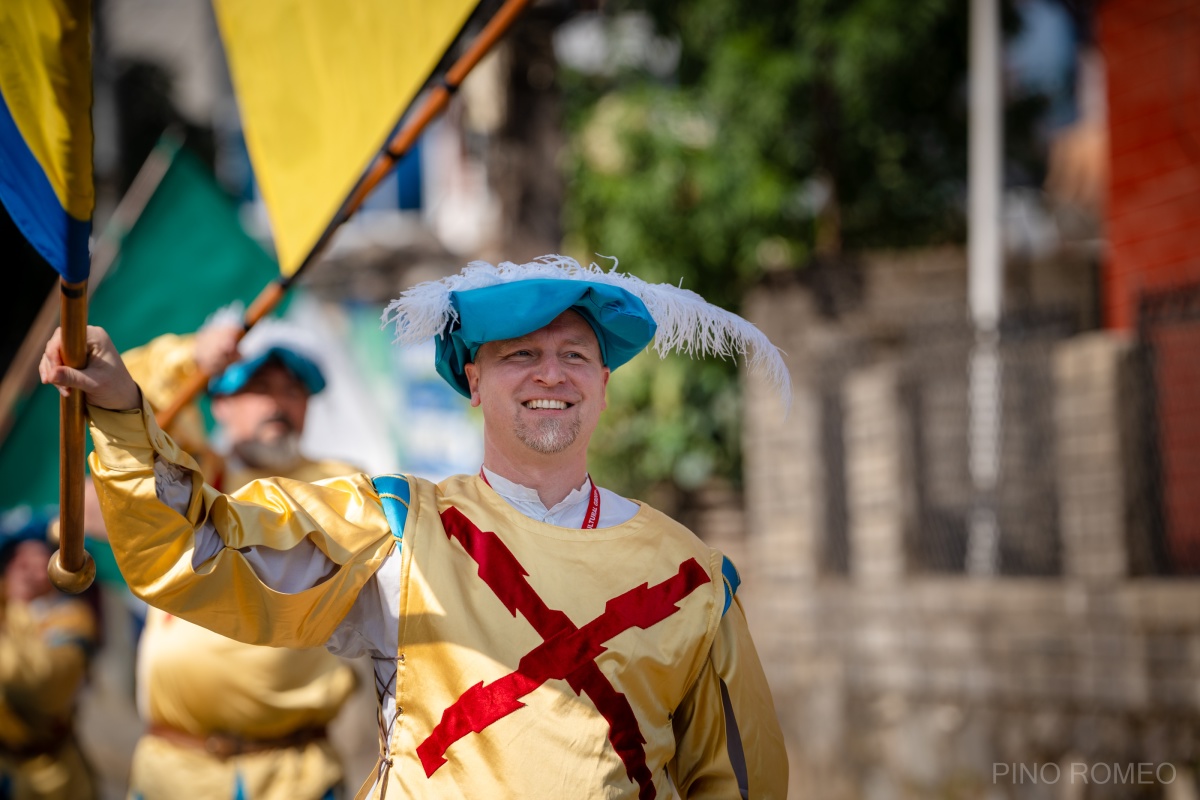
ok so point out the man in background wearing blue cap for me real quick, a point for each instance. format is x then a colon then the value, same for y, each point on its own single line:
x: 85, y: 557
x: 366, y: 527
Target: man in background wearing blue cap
x: 259, y: 398
x: 534, y: 635
x: 227, y: 719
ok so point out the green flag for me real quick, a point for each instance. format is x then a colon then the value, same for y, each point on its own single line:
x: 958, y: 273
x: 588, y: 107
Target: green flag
x: 186, y: 256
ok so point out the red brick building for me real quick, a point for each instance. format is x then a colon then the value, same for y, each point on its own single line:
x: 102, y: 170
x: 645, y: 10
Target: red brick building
x: 1152, y: 54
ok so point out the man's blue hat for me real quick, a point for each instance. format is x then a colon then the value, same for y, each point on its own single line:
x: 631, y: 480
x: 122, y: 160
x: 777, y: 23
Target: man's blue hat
x: 486, y: 303
x: 302, y: 368
x: 22, y: 524
x: 620, y: 320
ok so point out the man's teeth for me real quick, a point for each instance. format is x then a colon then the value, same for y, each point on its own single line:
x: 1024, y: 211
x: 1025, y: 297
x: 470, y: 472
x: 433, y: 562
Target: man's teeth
x: 559, y: 404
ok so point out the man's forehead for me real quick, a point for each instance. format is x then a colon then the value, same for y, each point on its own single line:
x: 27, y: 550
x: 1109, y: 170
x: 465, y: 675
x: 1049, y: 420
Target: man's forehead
x: 570, y: 323
x: 274, y: 367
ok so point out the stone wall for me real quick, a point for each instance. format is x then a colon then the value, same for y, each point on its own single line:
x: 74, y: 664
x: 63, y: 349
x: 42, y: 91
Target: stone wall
x: 897, y: 677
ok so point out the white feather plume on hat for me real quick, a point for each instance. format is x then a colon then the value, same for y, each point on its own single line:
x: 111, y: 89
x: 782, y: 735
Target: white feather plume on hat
x: 686, y: 321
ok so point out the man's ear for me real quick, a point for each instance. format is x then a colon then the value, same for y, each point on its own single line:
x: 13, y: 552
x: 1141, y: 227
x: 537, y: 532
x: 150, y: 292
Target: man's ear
x: 219, y: 408
x: 471, y: 370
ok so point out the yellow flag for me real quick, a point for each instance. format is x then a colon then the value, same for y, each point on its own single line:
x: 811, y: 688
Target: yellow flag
x: 320, y: 85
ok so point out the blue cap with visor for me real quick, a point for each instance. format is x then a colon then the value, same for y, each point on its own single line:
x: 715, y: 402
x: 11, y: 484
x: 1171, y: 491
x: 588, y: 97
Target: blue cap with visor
x: 301, y: 367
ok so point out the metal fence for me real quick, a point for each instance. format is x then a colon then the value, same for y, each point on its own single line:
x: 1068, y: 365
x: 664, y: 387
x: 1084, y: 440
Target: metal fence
x: 1169, y: 352
x: 1162, y: 396
x: 947, y: 494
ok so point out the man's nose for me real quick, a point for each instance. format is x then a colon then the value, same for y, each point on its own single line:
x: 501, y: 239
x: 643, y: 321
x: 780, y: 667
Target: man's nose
x: 549, y: 372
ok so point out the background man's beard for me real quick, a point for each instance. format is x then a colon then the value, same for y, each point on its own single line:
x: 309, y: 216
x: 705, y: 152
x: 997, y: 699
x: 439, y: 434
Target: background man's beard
x: 281, y: 453
x: 548, y: 436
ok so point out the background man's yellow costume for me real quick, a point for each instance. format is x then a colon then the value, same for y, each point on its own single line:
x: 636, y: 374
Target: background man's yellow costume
x: 517, y: 657
x: 44, y: 649
x: 227, y: 719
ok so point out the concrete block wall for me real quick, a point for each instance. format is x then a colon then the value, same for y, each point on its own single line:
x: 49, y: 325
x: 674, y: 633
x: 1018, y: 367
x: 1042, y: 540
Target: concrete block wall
x: 877, y: 481
x: 784, y: 520
x: 1093, y: 454
x: 896, y: 682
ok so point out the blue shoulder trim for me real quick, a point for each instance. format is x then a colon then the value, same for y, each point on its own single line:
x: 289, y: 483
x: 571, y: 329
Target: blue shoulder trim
x: 393, y: 496
x: 732, y: 581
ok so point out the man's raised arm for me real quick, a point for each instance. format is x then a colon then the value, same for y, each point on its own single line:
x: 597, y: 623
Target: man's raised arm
x: 280, y: 562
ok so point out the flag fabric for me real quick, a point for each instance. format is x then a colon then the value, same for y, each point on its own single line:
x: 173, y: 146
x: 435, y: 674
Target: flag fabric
x: 185, y: 257
x: 321, y: 85
x: 45, y: 128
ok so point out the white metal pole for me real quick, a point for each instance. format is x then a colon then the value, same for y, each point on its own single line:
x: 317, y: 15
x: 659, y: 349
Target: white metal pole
x: 984, y: 179
x: 985, y: 282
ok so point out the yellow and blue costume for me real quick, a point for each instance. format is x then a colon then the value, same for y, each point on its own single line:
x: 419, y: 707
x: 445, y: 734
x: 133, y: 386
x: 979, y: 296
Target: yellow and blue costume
x: 226, y: 719
x: 595, y: 709
x: 514, y: 658
x: 44, y: 651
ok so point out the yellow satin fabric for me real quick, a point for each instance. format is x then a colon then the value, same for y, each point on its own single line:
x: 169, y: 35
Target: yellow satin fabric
x: 454, y: 631
x: 154, y: 548
x: 162, y: 367
x: 200, y: 682
x: 702, y: 768
x: 43, y: 660
x: 162, y: 770
x: 203, y: 683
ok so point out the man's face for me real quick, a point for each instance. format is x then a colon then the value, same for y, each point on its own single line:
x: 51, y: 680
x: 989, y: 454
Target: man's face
x: 268, y: 412
x: 26, y: 578
x: 543, y: 392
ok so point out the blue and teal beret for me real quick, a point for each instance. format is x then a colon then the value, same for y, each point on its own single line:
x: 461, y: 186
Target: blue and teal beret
x: 620, y: 320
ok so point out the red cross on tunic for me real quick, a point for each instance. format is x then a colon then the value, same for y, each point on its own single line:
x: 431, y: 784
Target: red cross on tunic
x: 566, y: 653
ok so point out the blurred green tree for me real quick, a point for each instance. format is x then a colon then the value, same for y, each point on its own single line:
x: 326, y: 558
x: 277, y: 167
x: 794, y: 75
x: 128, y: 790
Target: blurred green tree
x: 787, y: 132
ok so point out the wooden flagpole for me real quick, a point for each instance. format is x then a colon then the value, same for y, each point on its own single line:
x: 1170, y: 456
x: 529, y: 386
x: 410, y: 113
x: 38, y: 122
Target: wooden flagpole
x: 434, y: 103
x: 72, y: 569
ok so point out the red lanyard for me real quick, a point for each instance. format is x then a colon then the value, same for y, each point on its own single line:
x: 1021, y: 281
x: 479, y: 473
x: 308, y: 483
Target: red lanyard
x: 591, y: 518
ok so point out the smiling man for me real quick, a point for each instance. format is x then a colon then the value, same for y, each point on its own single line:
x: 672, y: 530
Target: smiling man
x: 534, y: 635
x: 550, y: 383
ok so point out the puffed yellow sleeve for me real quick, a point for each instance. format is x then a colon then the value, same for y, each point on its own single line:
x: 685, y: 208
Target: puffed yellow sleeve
x: 728, y: 739
x: 162, y: 366
x: 340, y: 520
